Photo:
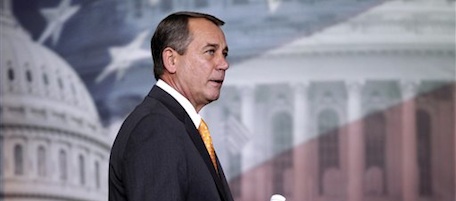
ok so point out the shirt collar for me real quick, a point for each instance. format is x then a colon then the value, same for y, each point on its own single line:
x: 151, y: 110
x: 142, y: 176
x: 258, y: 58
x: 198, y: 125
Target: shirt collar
x: 184, y: 102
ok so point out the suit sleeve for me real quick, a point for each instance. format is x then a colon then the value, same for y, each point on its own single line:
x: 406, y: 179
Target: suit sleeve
x: 154, y: 161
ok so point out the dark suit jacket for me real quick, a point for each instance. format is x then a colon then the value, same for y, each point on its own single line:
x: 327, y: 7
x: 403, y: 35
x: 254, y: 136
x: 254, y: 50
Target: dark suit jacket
x: 159, y: 155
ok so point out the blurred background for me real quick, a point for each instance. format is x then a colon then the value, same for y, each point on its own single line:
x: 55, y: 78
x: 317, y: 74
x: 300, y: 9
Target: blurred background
x: 328, y: 100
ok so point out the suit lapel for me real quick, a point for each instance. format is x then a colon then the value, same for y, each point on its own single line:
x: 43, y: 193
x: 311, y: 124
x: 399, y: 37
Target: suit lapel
x: 199, y: 144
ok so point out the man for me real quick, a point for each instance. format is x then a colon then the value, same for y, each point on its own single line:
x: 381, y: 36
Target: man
x: 159, y: 153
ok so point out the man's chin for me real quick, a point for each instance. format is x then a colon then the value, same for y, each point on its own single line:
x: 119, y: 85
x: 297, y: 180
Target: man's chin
x: 213, y: 98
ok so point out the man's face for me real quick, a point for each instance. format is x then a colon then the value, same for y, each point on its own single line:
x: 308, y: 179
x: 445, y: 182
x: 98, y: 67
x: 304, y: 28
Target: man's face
x: 201, y: 69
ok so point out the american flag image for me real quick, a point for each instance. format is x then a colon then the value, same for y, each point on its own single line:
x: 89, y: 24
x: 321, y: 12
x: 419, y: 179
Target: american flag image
x: 331, y: 100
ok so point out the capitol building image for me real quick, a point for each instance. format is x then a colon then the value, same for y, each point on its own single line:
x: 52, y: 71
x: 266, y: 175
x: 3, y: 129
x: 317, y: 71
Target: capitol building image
x: 332, y: 100
x: 360, y: 111
x: 53, y: 146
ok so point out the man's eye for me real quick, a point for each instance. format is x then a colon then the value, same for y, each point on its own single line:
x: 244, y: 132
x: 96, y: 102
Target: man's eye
x: 225, y: 54
x: 211, y: 52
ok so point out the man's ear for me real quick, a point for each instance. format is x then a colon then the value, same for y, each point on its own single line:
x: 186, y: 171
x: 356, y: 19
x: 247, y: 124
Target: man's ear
x: 169, y: 59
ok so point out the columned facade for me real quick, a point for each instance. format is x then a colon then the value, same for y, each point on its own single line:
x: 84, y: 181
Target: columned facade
x: 357, y: 155
x: 354, y: 91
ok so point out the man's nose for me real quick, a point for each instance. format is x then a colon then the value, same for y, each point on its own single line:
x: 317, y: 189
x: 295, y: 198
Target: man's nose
x: 223, y: 63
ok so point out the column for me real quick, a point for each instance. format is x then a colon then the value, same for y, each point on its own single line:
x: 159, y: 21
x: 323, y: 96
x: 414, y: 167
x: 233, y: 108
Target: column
x: 249, y: 183
x: 409, y: 154
x: 247, y: 118
x: 73, y: 166
x: 53, y: 163
x: 302, y: 168
x: 300, y: 119
x: 355, y: 142
x: 30, y: 155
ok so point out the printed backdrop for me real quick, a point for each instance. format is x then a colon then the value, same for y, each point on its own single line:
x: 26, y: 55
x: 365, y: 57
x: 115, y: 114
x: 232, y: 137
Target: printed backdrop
x: 324, y: 100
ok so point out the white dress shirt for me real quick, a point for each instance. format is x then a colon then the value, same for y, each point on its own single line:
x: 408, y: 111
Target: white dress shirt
x: 184, y: 102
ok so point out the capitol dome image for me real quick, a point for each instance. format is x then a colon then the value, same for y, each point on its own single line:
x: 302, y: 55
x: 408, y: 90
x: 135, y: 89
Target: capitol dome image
x: 53, y: 146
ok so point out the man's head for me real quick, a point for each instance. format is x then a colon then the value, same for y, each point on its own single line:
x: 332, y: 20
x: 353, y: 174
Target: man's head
x: 173, y: 31
x: 189, y: 51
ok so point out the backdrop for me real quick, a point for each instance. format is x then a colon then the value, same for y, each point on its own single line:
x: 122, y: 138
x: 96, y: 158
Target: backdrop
x: 350, y: 100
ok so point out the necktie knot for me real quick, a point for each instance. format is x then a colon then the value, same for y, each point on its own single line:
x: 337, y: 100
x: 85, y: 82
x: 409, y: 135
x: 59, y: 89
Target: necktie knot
x: 206, y: 136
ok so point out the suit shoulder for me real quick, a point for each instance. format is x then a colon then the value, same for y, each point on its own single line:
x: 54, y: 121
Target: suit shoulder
x: 151, y: 119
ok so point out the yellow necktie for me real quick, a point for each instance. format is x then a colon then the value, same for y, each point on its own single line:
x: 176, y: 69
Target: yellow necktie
x: 206, y: 136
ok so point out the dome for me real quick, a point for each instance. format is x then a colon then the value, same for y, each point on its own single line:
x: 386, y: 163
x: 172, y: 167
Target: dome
x: 53, y: 144
x: 41, y: 86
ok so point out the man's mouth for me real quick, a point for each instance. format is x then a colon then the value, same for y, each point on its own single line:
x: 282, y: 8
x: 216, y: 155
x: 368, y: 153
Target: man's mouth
x: 217, y: 81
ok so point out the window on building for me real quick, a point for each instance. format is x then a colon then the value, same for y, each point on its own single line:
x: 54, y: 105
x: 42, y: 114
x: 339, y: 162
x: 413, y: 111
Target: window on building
x: 59, y: 81
x: 328, y: 143
x: 45, y: 79
x: 18, y: 160
x: 81, y: 170
x: 41, y: 160
x: 63, y: 175
x: 28, y: 75
x: 10, y: 74
x: 283, y: 160
x: 375, y: 143
x: 97, y: 174
x: 424, y: 150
